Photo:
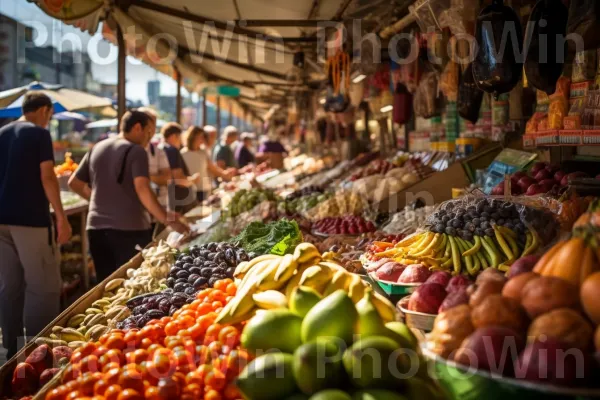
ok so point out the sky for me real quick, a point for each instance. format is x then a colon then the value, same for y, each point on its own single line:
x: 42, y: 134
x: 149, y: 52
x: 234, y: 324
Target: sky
x: 138, y: 74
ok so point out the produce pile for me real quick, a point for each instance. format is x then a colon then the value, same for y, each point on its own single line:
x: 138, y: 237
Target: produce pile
x: 376, y: 167
x: 277, y: 237
x: 103, y: 315
x: 477, y: 233
x: 245, y: 200
x: 301, y: 204
x: 350, y: 225
x: 340, y: 205
x: 67, y: 167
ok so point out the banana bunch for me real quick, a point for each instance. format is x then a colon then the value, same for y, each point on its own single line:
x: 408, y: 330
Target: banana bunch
x: 441, y: 251
x: 104, y: 313
x: 268, y: 282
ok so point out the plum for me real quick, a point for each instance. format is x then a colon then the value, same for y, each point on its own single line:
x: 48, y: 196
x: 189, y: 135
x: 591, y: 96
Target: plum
x: 522, y: 265
x: 441, y: 277
x: 24, y: 380
x: 415, y: 273
x: 491, y: 348
x: 453, y: 299
x: 458, y: 282
x: 41, y: 358
x: 390, y: 271
x: 47, y: 375
x: 427, y: 298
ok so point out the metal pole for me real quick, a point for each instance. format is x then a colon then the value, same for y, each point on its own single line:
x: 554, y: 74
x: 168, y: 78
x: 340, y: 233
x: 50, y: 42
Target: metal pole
x: 121, y: 77
x: 204, y: 111
x: 219, y: 116
x: 230, y: 121
x: 179, y: 103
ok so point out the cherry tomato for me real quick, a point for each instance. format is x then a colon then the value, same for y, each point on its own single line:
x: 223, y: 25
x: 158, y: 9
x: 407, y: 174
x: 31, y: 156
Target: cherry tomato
x: 112, y: 392
x: 130, y: 394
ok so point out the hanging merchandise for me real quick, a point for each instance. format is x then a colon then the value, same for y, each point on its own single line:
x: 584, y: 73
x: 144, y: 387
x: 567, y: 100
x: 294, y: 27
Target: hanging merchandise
x: 496, y: 68
x: 403, y: 102
x: 469, y: 96
x: 338, y: 71
x: 426, y: 101
x: 449, y: 78
x: 544, y: 60
x: 584, y: 22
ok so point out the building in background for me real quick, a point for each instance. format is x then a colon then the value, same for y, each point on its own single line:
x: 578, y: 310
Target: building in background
x: 154, y: 92
x: 13, y: 36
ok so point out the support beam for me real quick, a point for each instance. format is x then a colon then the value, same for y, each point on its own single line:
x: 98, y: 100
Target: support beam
x: 121, y: 76
x: 284, y: 23
x: 230, y: 120
x: 232, y: 27
x: 218, y: 116
x: 179, y: 103
x: 204, y: 110
x: 236, y: 64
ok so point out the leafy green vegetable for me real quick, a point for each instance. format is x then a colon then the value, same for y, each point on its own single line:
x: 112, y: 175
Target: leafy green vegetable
x: 279, y: 237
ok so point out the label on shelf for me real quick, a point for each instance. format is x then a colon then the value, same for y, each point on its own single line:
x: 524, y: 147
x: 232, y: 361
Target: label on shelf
x: 547, y: 138
x: 528, y: 141
x: 590, y: 137
x: 571, y: 137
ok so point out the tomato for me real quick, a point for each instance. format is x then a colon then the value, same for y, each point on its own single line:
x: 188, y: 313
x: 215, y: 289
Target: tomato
x: 230, y: 336
x: 72, y: 372
x: 215, y: 379
x: 75, y: 395
x: 153, y: 348
x: 156, y: 333
x: 57, y: 394
x: 215, y: 349
x: 212, y: 395
x: 145, y: 343
x: 88, y: 382
x: 100, y: 386
x: 163, y: 363
x: 172, y: 328
x: 231, y: 289
x: 168, y: 388
x: 132, y: 379
x: 116, y: 342
x: 137, y: 356
x: 130, y: 394
x: 203, y: 309
x: 112, y: 393
x: 110, y: 366
x: 90, y: 364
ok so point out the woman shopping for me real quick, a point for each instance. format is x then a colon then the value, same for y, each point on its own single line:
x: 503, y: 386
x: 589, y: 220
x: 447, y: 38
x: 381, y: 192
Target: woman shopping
x: 197, y: 161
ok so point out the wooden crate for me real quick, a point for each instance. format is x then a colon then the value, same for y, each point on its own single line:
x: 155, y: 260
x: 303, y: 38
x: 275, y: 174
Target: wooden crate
x: 78, y: 307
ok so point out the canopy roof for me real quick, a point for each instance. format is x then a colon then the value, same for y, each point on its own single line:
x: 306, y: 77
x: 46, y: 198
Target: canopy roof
x: 246, y: 43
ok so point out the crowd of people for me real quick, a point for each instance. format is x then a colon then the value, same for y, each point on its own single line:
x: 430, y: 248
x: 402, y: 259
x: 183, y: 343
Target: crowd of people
x: 135, y: 188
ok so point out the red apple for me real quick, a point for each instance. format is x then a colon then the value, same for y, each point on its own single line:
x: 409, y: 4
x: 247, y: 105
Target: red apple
x: 548, y: 361
x: 523, y: 265
x: 538, y: 166
x: 534, y: 189
x: 390, y: 271
x: 542, y: 174
x: 427, y: 298
x: 454, y: 299
x: 565, y: 180
x: 547, y: 184
x: 415, y: 273
x: 518, y: 175
x: 498, y: 190
x: 441, y: 277
x: 558, y: 175
x: 525, y: 182
x: 458, y: 282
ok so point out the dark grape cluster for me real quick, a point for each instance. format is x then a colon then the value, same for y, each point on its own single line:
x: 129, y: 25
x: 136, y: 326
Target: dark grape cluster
x: 476, y: 219
x: 146, y: 307
x: 304, y: 192
x: 204, y: 265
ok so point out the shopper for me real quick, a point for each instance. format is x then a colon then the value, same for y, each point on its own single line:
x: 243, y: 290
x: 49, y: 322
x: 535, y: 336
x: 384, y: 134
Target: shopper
x: 243, y: 154
x: 30, y: 283
x: 272, y: 150
x: 223, y: 154
x: 198, y: 162
x: 211, y: 141
x: 182, y: 195
x: 158, y: 166
x: 114, y: 176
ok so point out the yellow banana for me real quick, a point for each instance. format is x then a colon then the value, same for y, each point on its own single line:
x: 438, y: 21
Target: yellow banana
x: 535, y: 242
x: 356, y: 289
x: 244, y: 267
x: 305, y: 251
x: 429, y: 236
x: 412, y: 239
x: 286, y: 268
x: 75, y: 320
x: 503, y: 245
x: 340, y: 280
x: 266, y: 280
x: 255, y: 272
x: 270, y: 299
x: 475, y: 248
x: 384, y: 307
x: 295, y: 281
x: 113, y: 284
x: 428, y: 249
x: 316, y: 277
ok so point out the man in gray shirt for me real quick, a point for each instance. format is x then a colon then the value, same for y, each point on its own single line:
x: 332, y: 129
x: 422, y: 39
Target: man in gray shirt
x: 114, y: 177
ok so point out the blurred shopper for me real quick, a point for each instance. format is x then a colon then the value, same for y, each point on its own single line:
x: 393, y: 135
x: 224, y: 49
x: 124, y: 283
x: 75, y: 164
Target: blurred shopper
x: 223, y: 154
x: 182, y: 196
x: 243, y: 154
x: 114, y: 176
x: 198, y: 162
x: 211, y: 141
x: 272, y: 151
x: 158, y: 166
x: 30, y: 283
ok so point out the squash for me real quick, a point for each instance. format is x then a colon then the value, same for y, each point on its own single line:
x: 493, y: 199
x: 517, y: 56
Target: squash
x: 572, y: 260
x: 590, y: 217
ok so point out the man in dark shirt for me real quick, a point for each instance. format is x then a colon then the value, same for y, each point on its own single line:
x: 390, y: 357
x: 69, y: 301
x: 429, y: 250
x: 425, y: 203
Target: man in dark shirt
x: 114, y: 177
x: 223, y: 155
x: 243, y: 155
x: 30, y: 282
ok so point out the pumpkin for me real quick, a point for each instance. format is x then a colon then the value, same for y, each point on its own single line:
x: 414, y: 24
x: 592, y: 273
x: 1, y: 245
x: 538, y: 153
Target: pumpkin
x: 572, y: 260
x: 590, y: 217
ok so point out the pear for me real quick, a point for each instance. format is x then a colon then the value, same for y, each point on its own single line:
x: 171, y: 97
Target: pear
x: 303, y: 298
x: 268, y: 377
x: 318, y: 366
x: 334, y: 316
x: 403, y: 335
x: 272, y: 329
x: 330, y: 394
